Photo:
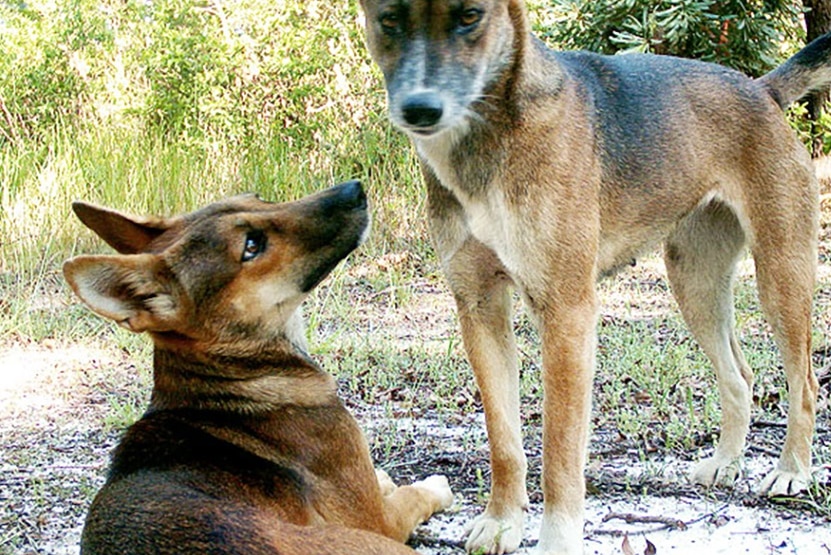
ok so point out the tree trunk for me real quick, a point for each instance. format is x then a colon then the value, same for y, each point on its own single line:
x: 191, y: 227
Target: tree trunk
x: 817, y: 23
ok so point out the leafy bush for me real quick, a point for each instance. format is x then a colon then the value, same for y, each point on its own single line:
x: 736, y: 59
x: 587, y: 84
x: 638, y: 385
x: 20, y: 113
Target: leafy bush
x: 188, y: 65
x: 245, y: 70
x: 743, y: 34
x: 43, y: 76
x: 200, y: 70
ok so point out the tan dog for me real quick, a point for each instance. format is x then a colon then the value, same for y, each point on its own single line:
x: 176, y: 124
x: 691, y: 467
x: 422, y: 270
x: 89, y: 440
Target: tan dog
x: 245, y: 447
x: 547, y: 170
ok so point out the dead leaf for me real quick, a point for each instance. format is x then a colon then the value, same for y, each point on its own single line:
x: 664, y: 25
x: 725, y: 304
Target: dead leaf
x: 625, y: 547
x: 719, y: 521
x: 650, y: 548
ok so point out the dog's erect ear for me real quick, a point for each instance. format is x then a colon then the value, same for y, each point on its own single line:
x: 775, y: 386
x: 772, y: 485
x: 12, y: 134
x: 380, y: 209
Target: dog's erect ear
x: 134, y: 290
x: 125, y: 233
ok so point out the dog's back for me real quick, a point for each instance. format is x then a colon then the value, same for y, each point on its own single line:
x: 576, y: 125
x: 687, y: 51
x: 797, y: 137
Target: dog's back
x: 646, y: 110
x: 170, y: 479
x: 174, y: 488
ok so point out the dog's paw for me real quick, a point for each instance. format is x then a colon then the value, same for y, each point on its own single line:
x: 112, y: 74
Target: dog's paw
x: 781, y: 482
x: 385, y: 482
x: 561, y: 534
x: 716, y: 471
x: 438, y: 486
x: 489, y: 534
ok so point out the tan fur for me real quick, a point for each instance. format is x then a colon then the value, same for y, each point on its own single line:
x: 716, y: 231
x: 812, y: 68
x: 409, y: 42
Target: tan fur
x: 245, y: 447
x: 547, y: 171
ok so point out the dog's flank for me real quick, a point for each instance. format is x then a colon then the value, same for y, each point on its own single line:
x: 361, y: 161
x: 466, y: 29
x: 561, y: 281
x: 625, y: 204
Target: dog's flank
x: 547, y: 170
x: 245, y: 447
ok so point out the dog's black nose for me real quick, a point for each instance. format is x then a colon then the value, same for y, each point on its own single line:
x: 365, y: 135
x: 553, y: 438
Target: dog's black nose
x: 422, y: 109
x: 349, y: 194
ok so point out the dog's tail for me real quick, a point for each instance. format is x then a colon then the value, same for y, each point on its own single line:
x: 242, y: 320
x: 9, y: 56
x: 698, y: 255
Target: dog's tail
x: 806, y: 71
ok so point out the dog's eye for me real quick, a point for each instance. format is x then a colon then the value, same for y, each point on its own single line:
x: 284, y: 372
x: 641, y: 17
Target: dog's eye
x: 255, y: 242
x: 469, y: 18
x: 390, y: 22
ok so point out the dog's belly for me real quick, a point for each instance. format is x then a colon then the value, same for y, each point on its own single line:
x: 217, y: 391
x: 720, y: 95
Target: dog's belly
x: 619, y: 250
x: 513, y: 237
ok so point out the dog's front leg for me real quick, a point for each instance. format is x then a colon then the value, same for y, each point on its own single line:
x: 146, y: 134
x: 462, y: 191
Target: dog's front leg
x: 567, y: 328
x: 481, y: 289
x: 484, y: 312
x: 406, y: 507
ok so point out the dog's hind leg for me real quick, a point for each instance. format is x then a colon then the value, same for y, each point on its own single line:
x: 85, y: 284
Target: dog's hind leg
x: 785, y: 252
x: 701, y: 256
x: 481, y: 288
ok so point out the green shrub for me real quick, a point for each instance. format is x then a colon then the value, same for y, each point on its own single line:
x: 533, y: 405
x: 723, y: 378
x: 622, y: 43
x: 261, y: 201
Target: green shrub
x: 743, y: 34
x: 38, y: 85
x: 188, y: 65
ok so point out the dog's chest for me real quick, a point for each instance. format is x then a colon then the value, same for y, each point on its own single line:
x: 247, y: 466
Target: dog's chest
x: 489, y: 221
x: 488, y: 216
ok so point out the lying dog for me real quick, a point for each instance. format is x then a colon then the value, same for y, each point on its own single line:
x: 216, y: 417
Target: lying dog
x: 547, y: 170
x: 245, y: 447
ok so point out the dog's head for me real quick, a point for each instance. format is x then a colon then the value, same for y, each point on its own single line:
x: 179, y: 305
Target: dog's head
x: 231, y: 273
x: 440, y: 57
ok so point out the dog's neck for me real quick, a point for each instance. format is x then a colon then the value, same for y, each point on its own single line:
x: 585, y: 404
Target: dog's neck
x: 244, y: 383
x: 510, y: 82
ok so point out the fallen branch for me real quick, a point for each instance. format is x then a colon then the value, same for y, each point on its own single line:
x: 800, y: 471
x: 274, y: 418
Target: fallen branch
x: 666, y: 523
x: 763, y: 450
x: 630, y: 518
x: 783, y: 425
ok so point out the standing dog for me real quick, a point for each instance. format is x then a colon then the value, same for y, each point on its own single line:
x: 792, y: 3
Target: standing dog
x: 548, y: 170
x: 246, y: 447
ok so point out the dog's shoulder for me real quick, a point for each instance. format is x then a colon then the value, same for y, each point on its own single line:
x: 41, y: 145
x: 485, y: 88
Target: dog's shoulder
x: 171, y: 443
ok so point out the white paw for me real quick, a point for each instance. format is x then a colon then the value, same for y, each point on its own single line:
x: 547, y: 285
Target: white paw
x: 489, y: 534
x: 438, y: 485
x: 385, y: 482
x: 716, y: 471
x: 561, y: 534
x: 781, y: 482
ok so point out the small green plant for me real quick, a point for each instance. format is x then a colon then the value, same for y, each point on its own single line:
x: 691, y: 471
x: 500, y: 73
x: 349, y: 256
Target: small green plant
x: 123, y: 412
x: 482, y: 488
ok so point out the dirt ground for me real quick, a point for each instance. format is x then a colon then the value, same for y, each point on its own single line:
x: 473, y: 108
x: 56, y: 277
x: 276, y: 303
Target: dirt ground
x: 56, y: 399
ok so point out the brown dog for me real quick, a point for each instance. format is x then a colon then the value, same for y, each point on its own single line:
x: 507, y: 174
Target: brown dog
x: 547, y: 170
x: 245, y: 447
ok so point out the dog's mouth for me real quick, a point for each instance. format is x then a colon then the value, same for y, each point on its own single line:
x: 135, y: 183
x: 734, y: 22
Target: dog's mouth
x: 314, y: 279
x: 339, y: 219
x: 331, y: 255
x: 423, y: 132
x: 449, y: 123
x: 322, y: 271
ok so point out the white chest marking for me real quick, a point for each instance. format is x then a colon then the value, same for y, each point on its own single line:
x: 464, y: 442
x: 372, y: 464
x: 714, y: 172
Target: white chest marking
x: 488, y: 216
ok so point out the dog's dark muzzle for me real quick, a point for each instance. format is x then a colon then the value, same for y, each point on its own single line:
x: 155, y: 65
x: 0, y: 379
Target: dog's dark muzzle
x: 422, y: 110
x: 339, y: 218
x: 343, y: 198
